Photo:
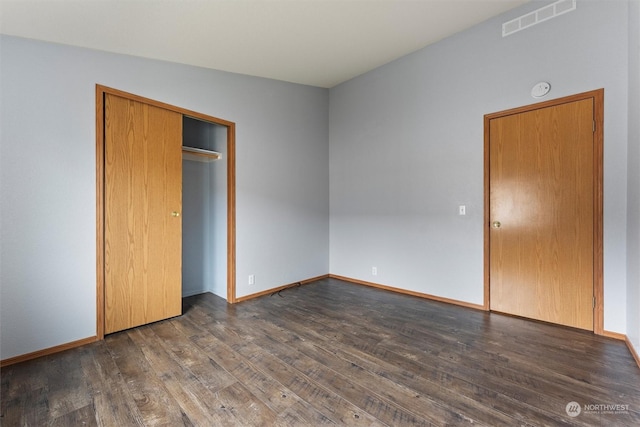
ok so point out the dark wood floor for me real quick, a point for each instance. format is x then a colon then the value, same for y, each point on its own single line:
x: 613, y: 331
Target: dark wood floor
x: 329, y: 353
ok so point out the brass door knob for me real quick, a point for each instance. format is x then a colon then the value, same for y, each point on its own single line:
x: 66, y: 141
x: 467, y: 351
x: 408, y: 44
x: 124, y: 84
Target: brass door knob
x: 496, y: 224
x: 175, y: 213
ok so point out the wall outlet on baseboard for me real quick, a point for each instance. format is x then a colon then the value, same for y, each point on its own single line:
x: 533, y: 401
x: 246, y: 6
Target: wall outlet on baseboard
x: 374, y: 271
x: 252, y: 279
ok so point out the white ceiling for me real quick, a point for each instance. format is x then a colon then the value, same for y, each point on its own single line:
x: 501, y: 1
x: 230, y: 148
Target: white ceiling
x: 314, y: 42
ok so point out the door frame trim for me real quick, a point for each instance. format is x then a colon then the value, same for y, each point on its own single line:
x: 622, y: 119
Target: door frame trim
x: 598, y: 190
x: 100, y: 183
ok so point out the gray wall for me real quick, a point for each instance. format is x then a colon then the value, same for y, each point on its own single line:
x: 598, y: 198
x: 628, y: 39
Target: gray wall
x: 406, y: 148
x: 633, y: 233
x: 47, y: 179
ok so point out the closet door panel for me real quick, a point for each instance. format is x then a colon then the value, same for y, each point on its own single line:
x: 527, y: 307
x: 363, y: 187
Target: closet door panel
x: 143, y: 203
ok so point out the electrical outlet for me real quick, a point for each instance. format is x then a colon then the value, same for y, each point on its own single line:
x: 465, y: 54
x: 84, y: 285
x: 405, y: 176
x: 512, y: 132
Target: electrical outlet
x: 252, y: 279
x: 374, y: 271
x: 462, y: 210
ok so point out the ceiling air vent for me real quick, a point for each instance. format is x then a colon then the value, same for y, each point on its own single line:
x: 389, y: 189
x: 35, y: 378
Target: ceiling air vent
x: 537, y: 16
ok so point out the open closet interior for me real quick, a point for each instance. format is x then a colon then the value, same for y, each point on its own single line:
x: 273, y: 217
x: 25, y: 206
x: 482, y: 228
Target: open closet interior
x: 204, y: 207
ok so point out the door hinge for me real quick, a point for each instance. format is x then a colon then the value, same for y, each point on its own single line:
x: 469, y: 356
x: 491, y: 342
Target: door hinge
x: 594, y: 126
x: 594, y: 302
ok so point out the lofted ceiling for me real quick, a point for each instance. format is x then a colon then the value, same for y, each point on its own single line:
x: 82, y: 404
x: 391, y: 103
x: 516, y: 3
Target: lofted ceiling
x: 313, y: 42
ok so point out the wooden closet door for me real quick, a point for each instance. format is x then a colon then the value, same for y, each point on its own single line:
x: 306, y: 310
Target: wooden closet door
x: 143, y: 203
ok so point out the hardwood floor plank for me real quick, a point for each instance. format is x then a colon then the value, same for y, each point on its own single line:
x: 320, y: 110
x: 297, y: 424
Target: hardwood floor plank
x: 408, y: 389
x: 439, y: 385
x: 112, y: 401
x: 67, y: 391
x: 84, y: 416
x: 29, y: 409
x: 302, y: 414
x: 200, y: 405
x: 329, y: 353
x: 330, y: 405
x: 454, y: 370
x: 184, y: 353
x: 409, y: 403
x: 155, y: 403
x: 269, y: 391
x: 245, y: 407
x: 24, y: 393
x: 536, y: 369
x: 348, y: 387
x: 23, y: 378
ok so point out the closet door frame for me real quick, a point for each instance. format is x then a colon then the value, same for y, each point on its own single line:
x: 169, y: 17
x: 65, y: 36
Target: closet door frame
x: 100, y: 194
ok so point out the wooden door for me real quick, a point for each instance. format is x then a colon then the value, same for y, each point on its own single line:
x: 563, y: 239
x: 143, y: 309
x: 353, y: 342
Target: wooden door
x: 142, y: 205
x: 541, y: 213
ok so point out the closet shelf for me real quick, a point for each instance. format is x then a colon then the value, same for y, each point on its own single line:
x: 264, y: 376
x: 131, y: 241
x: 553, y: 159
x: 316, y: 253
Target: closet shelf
x: 199, y: 155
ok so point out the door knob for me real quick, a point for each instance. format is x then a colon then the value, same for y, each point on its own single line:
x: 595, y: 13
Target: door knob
x: 496, y: 224
x: 175, y: 213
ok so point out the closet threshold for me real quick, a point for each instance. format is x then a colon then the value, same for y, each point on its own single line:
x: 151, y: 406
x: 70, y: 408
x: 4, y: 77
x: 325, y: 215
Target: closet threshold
x: 199, y: 154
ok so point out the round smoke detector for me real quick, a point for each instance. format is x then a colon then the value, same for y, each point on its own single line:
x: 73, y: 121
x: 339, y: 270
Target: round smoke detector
x: 540, y: 89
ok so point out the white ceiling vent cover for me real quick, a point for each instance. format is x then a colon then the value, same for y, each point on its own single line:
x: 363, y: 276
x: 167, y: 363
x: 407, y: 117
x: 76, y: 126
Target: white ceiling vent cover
x: 537, y: 16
